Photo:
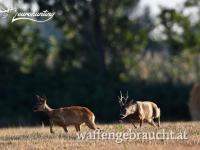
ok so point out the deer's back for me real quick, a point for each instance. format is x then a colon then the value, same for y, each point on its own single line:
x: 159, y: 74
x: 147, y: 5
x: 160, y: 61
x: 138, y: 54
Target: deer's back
x: 148, y: 108
x: 72, y: 115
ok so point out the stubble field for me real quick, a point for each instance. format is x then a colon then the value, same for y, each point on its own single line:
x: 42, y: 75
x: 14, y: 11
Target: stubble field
x: 40, y: 138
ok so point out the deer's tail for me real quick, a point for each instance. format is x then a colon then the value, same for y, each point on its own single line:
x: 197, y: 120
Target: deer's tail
x: 156, y: 112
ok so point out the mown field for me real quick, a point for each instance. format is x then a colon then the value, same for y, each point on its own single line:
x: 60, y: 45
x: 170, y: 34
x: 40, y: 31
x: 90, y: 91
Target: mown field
x: 40, y: 138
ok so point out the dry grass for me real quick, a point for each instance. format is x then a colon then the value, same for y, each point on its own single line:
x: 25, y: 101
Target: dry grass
x: 40, y: 138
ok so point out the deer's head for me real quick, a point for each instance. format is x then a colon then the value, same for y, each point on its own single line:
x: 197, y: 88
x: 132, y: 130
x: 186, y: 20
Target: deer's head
x: 126, y: 108
x: 41, y: 105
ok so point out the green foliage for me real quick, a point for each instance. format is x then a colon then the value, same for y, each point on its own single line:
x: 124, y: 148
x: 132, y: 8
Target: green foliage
x: 180, y: 30
x: 101, y: 51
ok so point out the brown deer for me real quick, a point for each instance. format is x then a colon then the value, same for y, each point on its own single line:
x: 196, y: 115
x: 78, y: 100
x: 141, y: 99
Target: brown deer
x: 74, y: 115
x: 139, y: 110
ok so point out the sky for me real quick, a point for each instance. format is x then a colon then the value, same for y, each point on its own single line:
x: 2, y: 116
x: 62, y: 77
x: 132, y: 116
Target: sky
x: 153, y: 4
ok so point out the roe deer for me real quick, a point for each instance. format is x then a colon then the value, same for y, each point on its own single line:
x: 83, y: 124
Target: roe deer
x: 74, y: 115
x: 141, y: 110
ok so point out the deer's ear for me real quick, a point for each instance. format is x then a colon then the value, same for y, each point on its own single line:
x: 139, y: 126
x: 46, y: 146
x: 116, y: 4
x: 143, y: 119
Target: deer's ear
x: 38, y: 97
x: 44, y: 97
x: 131, y: 102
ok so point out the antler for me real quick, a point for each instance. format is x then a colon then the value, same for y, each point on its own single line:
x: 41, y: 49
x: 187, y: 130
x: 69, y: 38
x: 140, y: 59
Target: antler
x: 126, y: 97
x: 121, y: 103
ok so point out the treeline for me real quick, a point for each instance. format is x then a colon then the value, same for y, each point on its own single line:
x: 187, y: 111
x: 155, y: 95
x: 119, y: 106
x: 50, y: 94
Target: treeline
x: 93, y: 49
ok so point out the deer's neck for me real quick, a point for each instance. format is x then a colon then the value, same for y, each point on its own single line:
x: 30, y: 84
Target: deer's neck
x: 48, y: 110
x: 134, y: 109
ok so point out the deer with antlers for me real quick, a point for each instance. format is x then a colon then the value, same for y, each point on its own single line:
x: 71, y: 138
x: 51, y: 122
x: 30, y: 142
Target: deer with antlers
x: 139, y: 110
x: 74, y: 115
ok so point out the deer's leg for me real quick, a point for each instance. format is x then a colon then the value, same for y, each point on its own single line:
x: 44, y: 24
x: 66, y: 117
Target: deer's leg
x: 159, y: 121
x: 141, y: 122
x: 151, y: 122
x: 65, y: 129
x: 51, y: 126
x: 78, y: 127
x: 141, y: 118
x: 132, y: 121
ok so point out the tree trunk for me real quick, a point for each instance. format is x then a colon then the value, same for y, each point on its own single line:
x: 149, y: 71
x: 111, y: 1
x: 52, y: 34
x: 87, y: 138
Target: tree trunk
x: 98, y: 36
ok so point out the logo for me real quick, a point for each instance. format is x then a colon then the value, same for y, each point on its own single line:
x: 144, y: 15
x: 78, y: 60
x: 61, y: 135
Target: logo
x: 4, y: 13
x: 32, y: 16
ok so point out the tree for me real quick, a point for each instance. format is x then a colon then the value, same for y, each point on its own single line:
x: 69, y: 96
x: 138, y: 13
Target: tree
x: 98, y: 30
